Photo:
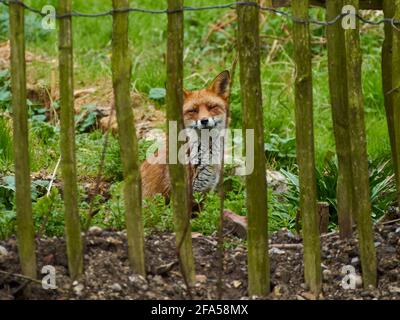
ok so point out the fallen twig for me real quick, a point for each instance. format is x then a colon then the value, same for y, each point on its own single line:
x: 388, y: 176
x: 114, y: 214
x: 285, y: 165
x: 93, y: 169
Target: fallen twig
x: 286, y: 245
x: 53, y: 176
x: 391, y: 221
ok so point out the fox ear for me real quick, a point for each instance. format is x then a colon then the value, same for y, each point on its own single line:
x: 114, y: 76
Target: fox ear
x: 221, y: 83
x: 186, y: 93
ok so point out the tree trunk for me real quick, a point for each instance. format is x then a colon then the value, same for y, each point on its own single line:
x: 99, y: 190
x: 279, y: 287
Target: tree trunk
x: 256, y: 184
x: 67, y: 144
x: 180, y: 190
x: 361, y: 207
x: 392, y: 82
x: 25, y: 227
x: 121, y: 73
x: 305, y: 147
x: 339, y: 102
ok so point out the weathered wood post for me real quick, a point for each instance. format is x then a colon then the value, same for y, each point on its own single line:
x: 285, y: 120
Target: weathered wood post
x: 361, y: 207
x: 393, y: 73
x: 305, y: 146
x: 180, y: 190
x: 25, y: 228
x: 256, y: 184
x: 121, y: 74
x: 67, y: 144
x: 339, y: 102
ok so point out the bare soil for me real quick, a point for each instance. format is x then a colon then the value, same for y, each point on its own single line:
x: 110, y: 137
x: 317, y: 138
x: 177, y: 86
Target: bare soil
x: 108, y: 276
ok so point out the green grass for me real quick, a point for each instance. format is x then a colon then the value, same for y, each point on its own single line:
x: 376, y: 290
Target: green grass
x: 206, y: 54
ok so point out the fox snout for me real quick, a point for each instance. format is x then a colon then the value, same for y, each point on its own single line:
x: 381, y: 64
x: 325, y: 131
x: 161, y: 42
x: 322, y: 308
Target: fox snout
x: 207, y: 123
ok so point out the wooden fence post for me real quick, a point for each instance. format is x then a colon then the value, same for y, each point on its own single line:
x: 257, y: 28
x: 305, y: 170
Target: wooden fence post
x: 305, y: 147
x: 256, y: 184
x: 393, y: 72
x: 339, y: 102
x: 25, y: 227
x: 180, y: 191
x: 67, y: 144
x: 121, y: 74
x: 361, y: 207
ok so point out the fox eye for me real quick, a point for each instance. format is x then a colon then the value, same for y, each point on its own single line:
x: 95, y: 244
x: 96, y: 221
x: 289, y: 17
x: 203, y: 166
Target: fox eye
x: 191, y: 111
x: 213, y: 106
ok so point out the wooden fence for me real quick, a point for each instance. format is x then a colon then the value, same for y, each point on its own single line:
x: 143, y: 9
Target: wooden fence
x: 344, y: 56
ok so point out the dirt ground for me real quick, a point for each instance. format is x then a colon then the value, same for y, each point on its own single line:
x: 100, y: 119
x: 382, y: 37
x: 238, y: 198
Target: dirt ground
x: 107, y: 273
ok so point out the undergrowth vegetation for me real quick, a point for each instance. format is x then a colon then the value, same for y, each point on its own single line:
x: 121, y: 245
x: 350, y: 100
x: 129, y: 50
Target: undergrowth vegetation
x: 209, y: 49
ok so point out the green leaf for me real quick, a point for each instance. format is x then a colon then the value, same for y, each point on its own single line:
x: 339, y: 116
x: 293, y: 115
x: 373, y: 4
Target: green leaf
x: 5, y: 96
x: 157, y: 93
x: 8, y: 183
x: 39, y: 117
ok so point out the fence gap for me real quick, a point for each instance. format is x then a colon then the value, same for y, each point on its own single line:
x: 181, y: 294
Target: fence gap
x: 361, y: 207
x: 256, y: 185
x: 67, y: 144
x: 339, y: 104
x: 305, y: 147
x: 180, y: 191
x: 392, y: 85
x: 25, y: 227
x: 121, y: 74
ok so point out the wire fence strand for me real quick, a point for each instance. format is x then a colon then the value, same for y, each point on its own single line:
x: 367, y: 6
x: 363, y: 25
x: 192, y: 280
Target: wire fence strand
x: 395, y: 23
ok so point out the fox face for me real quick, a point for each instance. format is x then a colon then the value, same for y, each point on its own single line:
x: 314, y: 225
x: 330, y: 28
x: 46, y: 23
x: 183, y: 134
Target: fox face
x: 207, y: 108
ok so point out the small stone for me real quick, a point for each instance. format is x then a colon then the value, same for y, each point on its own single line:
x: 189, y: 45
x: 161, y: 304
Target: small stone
x: 78, y: 289
x: 355, y: 261
x: 327, y: 274
x: 151, y: 295
x: 196, y: 235
x: 377, y: 244
x: 201, y: 278
x: 138, y: 282
x: 95, y: 230
x: 304, y: 286
x: 116, y: 287
x: 75, y: 283
x: 277, y: 291
x: 158, y: 280
x: 309, y: 296
x: 393, y: 289
x: 365, y: 294
x: 276, y: 251
x: 3, y: 251
x: 390, y: 249
x: 398, y: 230
x: 299, y: 297
x: 236, y: 283
x: 114, y: 241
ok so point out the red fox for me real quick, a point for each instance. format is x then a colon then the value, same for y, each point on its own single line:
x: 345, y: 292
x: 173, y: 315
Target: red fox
x: 202, y: 109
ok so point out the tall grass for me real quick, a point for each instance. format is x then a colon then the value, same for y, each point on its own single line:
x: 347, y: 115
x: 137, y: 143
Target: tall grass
x: 6, y: 152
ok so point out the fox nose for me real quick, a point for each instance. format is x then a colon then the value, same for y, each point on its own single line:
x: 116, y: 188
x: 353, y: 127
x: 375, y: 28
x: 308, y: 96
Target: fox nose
x: 204, y: 121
